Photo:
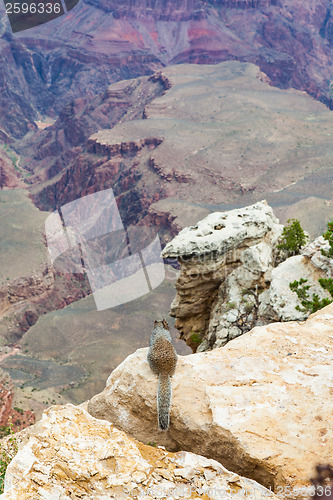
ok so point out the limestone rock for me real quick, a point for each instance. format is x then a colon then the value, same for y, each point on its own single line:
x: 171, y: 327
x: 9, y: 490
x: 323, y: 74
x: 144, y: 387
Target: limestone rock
x: 310, y: 265
x: 279, y: 299
x: 261, y: 405
x: 313, y: 252
x: 70, y: 454
x: 221, y: 232
x: 224, y: 255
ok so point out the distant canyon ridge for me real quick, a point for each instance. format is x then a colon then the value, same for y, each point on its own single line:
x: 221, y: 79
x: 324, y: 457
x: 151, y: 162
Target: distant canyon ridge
x: 103, y: 41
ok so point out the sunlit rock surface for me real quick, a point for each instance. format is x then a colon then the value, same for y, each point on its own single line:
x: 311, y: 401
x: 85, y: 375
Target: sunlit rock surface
x: 70, y: 454
x: 261, y: 405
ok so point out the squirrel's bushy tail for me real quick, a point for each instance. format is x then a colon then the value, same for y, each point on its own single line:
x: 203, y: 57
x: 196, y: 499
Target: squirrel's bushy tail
x: 163, y: 401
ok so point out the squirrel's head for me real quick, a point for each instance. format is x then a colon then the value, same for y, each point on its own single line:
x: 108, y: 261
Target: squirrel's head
x: 162, y: 323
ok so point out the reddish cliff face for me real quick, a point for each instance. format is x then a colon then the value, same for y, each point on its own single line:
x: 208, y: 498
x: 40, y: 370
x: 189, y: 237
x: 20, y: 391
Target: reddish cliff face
x: 55, y: 148
x: 10, y: 175
x: 10, y: 414
x: 173, y: 10
x: 205, y: 136
x: 103, y: 41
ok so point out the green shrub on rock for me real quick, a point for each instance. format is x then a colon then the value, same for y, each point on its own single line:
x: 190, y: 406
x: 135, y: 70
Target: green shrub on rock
x: 329, y: 237
x: 293, y: 238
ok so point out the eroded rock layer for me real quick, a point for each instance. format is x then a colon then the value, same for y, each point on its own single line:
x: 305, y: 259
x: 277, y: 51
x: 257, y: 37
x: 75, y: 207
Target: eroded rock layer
x: 70, y: 454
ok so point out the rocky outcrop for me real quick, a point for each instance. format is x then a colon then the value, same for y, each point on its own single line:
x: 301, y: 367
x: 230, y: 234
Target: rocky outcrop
x: 31, y: 286
x: 9, y: 173
x: 20, y: 299
x: 229, y: 282
x: 261, y: 405
x: 221, y: 258
x: 278, y: 301
x: 60, y: 144
x: 25, y: 299
x: 70, y: 454
x: 101, y: 144
x: 6, y: 397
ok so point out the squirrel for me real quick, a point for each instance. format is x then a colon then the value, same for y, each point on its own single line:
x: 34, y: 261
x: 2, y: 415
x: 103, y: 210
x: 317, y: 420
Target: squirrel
x: 162, y: 359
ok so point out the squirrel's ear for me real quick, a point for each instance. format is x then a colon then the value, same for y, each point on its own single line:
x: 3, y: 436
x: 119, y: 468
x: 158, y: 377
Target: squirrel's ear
x: 165, y: 324
x: 155, y: 322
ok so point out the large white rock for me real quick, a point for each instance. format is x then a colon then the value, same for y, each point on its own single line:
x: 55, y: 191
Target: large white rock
x: 70, y: 454
x: 222, y: 232
x: 262, y: 405
x: 228, y: 282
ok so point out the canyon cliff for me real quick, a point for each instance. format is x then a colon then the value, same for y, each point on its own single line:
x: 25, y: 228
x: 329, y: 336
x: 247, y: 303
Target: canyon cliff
x: 100, y: 42
x: 232, y: 278
x: 188, y: 138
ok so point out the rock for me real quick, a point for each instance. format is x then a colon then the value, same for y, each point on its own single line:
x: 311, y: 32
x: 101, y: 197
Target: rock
x: 280, y: 299
x: 41, y: 70
x: 261, y: 405
x: 185, y: 106
x: 311, y: 265
x: 6, y: 397
x: 11, y: 417
x: 313, y: 252
x: 228, y: 282
x: 70, y: 454
x: 223, y: 232
x: 221, y: 257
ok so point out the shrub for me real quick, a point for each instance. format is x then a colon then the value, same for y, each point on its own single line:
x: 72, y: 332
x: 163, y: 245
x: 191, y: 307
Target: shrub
x: 293, y: 237
x: 196, y: 338
x: 329, y: 237
x: 314, y: 303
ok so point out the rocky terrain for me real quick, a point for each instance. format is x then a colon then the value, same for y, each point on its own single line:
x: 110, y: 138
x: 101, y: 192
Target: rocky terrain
x: 83, y: 346
x: 29, y: 285
x: 175, y: 144
x: 257, y: 411
x: 203, y: 137
x: 101, y: 42
x: 171, y: 160
x: 70, y: 454
x: 12, y: 418
x: 55, y: 146
x: 231, y: 278
x: 260, y: 405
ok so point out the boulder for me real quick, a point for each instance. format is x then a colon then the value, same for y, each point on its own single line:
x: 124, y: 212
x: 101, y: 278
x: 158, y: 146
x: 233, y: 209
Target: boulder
x: 261, y: 405
x: 70, y: 454
x: 279, y: 300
